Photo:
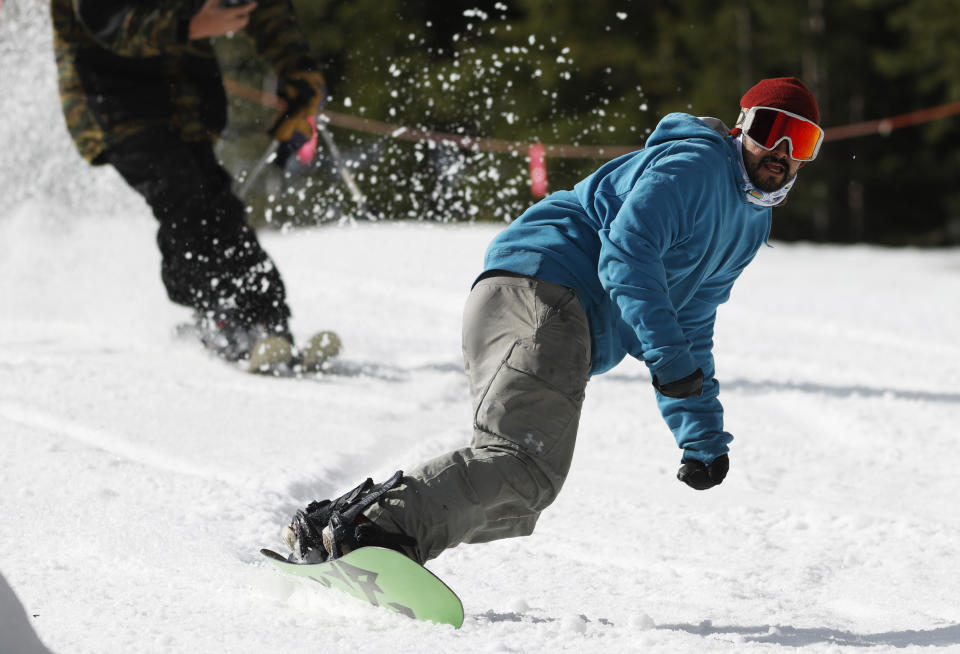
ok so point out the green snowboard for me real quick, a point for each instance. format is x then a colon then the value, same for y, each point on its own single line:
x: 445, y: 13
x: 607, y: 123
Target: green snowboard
x: 384, y: 578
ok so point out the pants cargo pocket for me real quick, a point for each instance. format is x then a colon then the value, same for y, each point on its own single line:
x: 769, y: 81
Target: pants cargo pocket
x: 535, y: 397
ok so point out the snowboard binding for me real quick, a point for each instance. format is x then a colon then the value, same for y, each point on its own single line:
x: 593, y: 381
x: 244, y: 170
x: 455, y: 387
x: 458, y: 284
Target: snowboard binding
x: 329, y: 529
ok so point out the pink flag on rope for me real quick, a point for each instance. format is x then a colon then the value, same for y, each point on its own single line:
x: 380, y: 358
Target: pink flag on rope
x: 538, y: 170
x: 308, y: 150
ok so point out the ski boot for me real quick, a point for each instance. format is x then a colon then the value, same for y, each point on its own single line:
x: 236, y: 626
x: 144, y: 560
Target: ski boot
x: 262, y: 349
x: 329, y: 529
x: 321, y: 347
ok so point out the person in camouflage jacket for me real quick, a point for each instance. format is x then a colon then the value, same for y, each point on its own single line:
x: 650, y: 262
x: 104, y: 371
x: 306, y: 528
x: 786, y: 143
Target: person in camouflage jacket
x: 141, y: 90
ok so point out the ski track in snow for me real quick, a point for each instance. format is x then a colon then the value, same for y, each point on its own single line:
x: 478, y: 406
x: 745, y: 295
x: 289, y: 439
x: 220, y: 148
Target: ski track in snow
x: 141, y: 476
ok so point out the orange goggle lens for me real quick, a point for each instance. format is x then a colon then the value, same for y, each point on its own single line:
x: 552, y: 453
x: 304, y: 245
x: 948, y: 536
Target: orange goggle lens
x: 767, y: 127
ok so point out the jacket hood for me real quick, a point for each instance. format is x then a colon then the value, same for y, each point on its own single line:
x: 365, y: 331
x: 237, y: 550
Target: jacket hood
x: 677, y: 126
x: 684, y: 126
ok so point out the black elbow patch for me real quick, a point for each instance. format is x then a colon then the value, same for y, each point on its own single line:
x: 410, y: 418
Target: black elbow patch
x: 689, y: 386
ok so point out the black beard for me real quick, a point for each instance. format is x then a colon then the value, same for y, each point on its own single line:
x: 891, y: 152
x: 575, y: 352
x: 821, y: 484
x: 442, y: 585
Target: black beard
x: 769, y: 185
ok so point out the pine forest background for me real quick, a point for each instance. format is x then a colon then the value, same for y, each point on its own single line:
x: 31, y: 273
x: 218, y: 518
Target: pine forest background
x: 603, y: 73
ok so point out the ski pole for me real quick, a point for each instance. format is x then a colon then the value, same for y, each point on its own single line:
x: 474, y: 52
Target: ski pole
x: 257, y: 170
x: 355, y: 192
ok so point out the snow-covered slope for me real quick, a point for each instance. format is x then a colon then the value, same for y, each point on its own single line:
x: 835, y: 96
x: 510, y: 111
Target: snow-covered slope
x: 140, y: 477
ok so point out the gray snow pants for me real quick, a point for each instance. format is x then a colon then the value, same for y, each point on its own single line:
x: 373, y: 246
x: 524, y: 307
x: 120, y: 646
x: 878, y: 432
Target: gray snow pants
x: 526, y: 348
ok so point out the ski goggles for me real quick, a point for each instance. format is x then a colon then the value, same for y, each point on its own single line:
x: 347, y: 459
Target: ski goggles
x: 766, y: 127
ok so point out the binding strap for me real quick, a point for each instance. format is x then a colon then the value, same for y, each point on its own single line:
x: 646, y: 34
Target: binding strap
x: 343, y: 518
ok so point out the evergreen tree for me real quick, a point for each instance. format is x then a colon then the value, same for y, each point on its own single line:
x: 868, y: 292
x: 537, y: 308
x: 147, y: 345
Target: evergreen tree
x: 603, y: 73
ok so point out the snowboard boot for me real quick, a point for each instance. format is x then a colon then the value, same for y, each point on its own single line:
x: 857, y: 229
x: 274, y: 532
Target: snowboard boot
x: 329, y: 529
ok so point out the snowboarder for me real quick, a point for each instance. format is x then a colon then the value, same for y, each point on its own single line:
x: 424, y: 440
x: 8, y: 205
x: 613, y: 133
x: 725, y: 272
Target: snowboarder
x: 141, y: 90
x: 634, y: 260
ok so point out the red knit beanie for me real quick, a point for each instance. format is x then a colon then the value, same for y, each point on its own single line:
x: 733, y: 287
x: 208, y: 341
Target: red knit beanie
x: 787, y: 93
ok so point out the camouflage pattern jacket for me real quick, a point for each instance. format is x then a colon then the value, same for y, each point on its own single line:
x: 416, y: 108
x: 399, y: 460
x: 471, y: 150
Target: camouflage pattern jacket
x: 127, y: 66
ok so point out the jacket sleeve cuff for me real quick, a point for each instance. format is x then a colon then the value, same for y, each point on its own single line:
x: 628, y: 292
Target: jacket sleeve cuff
x: 711, y: 449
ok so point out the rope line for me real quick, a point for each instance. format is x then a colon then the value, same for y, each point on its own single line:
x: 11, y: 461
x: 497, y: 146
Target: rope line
x: 401, y: 132
x: 882, y: 126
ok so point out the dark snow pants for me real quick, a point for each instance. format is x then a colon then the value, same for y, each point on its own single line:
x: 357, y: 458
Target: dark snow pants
x: 211, y: 259
x: 526, y: 347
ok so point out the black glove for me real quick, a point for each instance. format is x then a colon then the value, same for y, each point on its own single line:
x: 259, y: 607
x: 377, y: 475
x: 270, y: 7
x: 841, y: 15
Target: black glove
x: 689, y: 386
x: 697, y: 475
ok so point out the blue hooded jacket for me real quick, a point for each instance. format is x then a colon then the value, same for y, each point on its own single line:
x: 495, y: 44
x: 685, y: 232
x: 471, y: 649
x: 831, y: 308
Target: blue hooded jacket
x: 652, y: 243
